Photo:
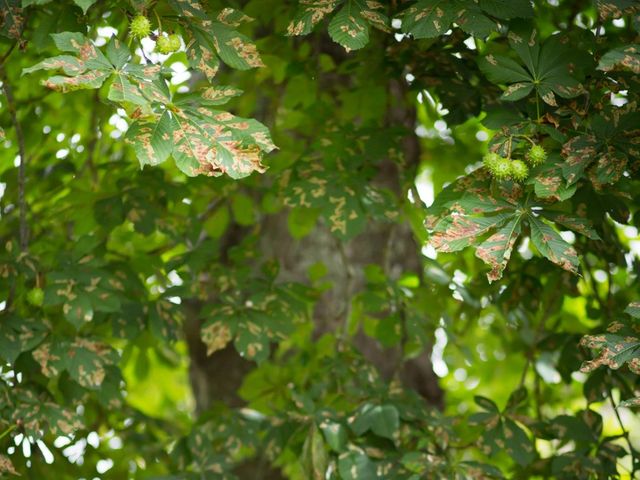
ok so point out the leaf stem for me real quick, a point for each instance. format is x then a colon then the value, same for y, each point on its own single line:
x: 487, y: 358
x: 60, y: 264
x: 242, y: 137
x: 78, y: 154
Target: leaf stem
x: 8, y: 431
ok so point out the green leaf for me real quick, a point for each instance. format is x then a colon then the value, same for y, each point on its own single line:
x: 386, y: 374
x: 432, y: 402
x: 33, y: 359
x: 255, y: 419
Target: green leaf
x: 355, y: 465
x: 85, y: 360
x: 84, y: 4
x: 36, y: 413
x: 496, y: 250
x: 578, y: 152
x: 486, y: 403
x: 309, y: 14
x: 349, y: 28
x: 12, y: 19
x: 630, y: 403
x: 335, y: 435
x: 88, y: 70
x: 383, y: 420
x: 429, y: 18
x: 621, y: 58
x: 633, y: 309
x: 620, y: 345
x: 551, y: 245
x: 460, y: 231
x: 508, y: 9
x: 314, y: 455
x: 578, y: 224
x: 546, y: 68
x: 152, y: 141
x: 19, y: 335
x: 549, y: 181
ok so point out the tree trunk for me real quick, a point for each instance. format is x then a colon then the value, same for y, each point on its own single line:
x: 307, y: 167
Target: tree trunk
x: 217, y: 377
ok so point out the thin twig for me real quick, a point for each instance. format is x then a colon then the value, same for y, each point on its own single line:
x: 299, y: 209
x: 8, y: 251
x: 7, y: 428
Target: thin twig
x: 22, y: 204
x: 625, y: 434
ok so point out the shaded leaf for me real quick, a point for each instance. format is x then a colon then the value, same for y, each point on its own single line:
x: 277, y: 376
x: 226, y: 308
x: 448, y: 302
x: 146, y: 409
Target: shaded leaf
x: 551, y: 245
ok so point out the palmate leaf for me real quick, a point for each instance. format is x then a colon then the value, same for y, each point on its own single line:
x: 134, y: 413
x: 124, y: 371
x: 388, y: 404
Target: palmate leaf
x: 432, y: 18
x: 344, y: 201
x: 200, y: 139
x: 603, y: 154
x: 19, y: 335
x: 214, y: 37
x: 545, y: 68
x: 551, y: 245
x: 267, y: 316
x: 382, y: 420
x: 350, y: 25
x: 85, y: 360
x: 467, y: 213
x: 549, y: 180
x: 619, y: 346
x: 501, y: 433
x: 496, y: 250
x: 88, y: 69
x: 622, y: 58
x: 309, y: 14
x: 39, y: 415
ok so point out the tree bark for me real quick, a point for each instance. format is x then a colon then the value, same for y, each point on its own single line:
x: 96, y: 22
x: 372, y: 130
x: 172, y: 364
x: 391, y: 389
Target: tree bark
x: 217, y: 377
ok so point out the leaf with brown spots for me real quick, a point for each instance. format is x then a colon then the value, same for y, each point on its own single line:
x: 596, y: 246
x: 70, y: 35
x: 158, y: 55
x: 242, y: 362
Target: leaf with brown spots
x: 85, y: 360
x: 551, y: 245
x: 578, y: 224
x: 547, y: 68
x: 11, y: 20
x: 309, y: 14
x: 88, y: 69
x: 429, y: 18
x: 549, y: 182
x: 19, y: 335
x: 6, y: 466
x: 622, y: 58
x: 460, y: 231
x: 39, y: 415
x: 578, y: 153
x: 608, y: 9
x: 496, y: 250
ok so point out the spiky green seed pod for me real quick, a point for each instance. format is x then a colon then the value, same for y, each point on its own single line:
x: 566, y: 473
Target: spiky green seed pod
x: 174, y: 42
x: 35, y: 296
x: 163, y: 45
x: 490, y: 159
x: 501, y: 169
x: 519, y: 170
x: 140, y: 27
x: 536, y: 155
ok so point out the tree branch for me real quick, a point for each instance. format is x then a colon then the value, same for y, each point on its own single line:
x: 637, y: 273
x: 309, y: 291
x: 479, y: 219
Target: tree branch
x: 22, y: 204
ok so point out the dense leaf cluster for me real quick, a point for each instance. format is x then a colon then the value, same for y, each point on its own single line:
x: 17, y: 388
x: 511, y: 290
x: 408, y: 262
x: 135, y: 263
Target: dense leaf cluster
x: 367, y: 300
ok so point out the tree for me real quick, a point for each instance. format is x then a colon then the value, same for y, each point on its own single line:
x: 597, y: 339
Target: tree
x: 338, y: 239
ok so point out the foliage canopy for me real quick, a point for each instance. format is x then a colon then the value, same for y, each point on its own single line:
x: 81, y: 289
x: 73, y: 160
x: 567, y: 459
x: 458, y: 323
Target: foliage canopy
x: 433, y: 275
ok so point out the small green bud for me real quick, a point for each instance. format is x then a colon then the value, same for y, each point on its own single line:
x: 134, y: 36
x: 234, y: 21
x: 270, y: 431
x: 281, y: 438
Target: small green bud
x: 536, y: 155
x: 140, y: 27
x: 519, y: 170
